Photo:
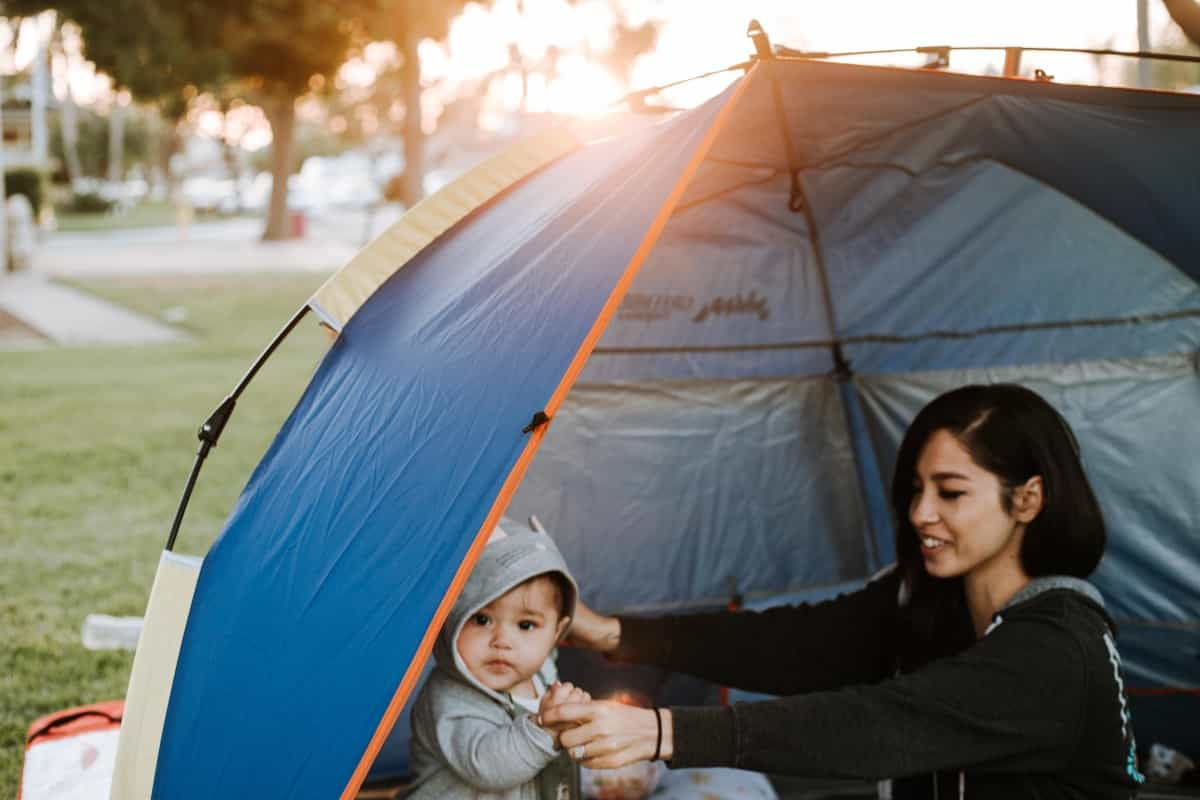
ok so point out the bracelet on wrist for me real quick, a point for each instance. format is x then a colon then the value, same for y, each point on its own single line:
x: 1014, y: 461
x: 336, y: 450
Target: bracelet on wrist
x: 658, y: 740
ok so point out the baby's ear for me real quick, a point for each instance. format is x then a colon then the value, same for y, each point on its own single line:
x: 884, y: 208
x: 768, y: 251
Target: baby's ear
x: 563, y: 624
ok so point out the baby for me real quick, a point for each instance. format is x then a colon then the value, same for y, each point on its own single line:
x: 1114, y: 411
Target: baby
x: 474, y: 724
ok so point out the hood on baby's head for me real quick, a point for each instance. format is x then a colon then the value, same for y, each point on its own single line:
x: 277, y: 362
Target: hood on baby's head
x: 515, y: 552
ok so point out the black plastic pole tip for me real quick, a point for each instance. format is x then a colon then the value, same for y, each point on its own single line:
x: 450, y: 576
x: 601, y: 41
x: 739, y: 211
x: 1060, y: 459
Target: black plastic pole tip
x: 539, y: 419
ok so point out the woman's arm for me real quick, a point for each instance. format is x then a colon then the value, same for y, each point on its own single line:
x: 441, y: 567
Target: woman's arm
x: 784, y: 650
x: 1015, y: 702
x: 594, y: 631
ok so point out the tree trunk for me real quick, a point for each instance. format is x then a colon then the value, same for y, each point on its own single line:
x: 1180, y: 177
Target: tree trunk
x: 414, y: 137
x: 5, y: 264
x: 168, y: 146
x: 1143, y: 38
x: 233, y: 167
x: 280, y: 109
x: 68, y: 121
x: 116, y: 141
x: 40, y: 88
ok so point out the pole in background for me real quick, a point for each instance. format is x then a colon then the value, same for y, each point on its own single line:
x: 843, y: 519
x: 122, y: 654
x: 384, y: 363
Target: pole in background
x: 1012, y: 62
x: 1144, y: 77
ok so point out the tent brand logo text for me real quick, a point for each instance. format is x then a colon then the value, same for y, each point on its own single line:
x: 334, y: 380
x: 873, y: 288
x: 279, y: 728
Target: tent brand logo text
x: 651, y: 307
x: 739, y: 303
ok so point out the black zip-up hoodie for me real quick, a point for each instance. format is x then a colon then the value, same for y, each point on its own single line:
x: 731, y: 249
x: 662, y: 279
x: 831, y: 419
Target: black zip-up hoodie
x: 1034, y: 709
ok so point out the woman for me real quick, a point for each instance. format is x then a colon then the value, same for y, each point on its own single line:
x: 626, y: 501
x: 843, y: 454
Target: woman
x: 981, y: 666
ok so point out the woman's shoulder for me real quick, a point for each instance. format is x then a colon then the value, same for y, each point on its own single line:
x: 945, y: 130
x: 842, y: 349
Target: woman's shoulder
x: 1060, y: 622
x: 1072, y: 602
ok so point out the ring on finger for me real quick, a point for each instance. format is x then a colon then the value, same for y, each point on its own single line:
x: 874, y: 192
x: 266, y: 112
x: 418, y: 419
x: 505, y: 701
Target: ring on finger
x: 578, y: 751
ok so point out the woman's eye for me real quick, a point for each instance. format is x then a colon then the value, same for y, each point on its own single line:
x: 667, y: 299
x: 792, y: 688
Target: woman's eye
x: 946, y: 494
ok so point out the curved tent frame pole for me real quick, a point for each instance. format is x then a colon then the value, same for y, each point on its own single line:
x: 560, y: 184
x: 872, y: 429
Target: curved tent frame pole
x: 210, y: 432
x: 943, y: 51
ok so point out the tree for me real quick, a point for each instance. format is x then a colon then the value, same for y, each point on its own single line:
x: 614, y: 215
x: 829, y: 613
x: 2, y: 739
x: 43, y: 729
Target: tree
x: 277, y: 49
x: 629, y: 42
x: 154, y: 49
x: 406, y: 23
x: 93, y: 145
x: 68, y: 115
x: 266, y: 50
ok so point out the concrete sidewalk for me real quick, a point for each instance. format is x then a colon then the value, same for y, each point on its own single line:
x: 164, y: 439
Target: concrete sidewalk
x: 84, y: 256
x: 66, y: 316
x: 235, y: 245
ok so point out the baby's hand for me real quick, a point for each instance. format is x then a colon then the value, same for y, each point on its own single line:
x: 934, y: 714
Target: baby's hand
x: 556, y: 695
x: 560, y: 693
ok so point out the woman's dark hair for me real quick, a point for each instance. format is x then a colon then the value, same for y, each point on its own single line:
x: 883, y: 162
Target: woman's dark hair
x: 1015, y: 434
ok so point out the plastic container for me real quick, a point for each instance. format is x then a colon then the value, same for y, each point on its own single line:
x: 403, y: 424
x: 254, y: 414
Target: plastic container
x: 102, y: 632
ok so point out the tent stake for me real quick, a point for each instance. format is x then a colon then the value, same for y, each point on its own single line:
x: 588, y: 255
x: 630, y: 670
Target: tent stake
x: 210, y: 431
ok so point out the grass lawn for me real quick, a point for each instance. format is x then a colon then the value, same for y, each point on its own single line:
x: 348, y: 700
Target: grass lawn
x: 143, y: 215
x: 95, y: 446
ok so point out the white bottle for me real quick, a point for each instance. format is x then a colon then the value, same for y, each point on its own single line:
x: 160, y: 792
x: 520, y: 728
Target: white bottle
x: 102, y: 632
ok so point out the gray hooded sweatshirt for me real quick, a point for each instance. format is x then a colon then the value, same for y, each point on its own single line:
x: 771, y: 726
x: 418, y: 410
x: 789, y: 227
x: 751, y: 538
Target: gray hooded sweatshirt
x: 469, y: 741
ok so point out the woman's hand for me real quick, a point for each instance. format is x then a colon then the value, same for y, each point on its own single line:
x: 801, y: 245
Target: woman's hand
x: 556, y: 695
x: 607, y: 735
x: 594, y: 631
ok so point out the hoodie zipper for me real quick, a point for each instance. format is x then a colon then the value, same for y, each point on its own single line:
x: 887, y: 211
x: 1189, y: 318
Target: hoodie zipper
x: 962, y: 785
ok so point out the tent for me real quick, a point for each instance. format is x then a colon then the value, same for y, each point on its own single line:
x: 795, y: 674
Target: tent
x: 691, y: 350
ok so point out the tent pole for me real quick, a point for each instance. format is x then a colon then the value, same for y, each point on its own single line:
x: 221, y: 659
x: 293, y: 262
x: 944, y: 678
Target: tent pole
x: 637, y: 98
x: 798, y: 202
x: 210, y: 432
x: 787, y: 52
x: 865, y: 461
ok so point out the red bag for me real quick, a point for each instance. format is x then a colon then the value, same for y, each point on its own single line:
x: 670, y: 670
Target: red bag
x: 70, y: 754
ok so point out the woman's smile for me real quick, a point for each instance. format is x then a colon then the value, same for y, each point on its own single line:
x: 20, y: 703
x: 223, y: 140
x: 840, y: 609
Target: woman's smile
x: 930, y: 544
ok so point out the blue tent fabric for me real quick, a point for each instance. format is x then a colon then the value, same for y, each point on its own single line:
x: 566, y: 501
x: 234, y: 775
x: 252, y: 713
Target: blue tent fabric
x: 969, y: 229
x: 315, y: 596
x: 1125, y: 154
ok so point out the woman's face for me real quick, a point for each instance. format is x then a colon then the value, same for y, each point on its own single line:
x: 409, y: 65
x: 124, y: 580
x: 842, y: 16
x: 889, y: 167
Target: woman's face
x: 958, y: 514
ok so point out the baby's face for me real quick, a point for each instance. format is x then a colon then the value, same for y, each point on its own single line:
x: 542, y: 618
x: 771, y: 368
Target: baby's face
x: 506, y: 641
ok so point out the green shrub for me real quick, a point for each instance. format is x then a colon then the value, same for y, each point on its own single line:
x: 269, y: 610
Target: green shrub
x: 89, y: 203
x: 29, y: 182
